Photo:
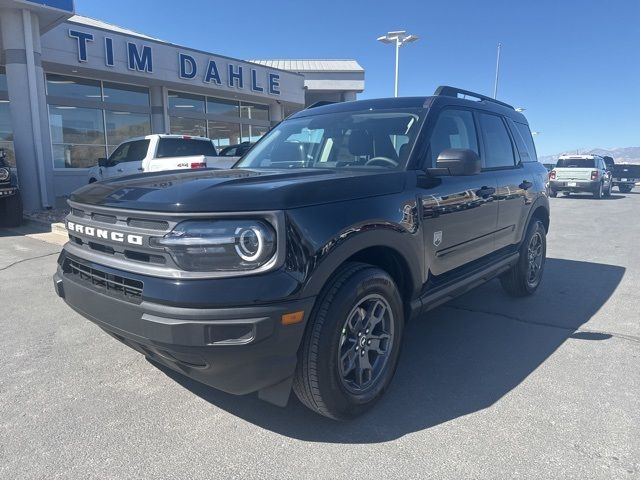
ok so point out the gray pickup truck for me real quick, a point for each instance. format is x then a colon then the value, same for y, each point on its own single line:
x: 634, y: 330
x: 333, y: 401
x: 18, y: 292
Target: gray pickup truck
x: 580, y: 173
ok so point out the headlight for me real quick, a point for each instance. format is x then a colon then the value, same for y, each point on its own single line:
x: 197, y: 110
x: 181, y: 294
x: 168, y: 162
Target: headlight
x: 4, y: 174
x: 220, y: 245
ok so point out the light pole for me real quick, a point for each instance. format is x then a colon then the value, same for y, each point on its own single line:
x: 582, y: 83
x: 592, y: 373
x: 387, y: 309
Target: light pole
x: 495, y: 85
x: 399, y: 38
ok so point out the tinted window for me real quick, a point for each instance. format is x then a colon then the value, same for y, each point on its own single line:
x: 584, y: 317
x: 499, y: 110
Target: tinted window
x: 497, y: 143
x: 576, y: 163
x: 130, y: 152
x: 184, y: 147
x: 126, y: 94
x: 454, y: 129
x: 525, y: 135
x: 229, y: 152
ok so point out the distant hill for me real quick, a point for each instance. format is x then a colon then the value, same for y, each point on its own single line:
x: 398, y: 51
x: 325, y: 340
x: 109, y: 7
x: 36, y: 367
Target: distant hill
x: 619, y: 155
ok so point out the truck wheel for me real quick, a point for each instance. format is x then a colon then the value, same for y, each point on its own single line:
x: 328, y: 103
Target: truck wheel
x: 11, y: 211
x: 607, y: 192
x: 525, y: 276
x: 553, y: 193
x: 599, y: 192
x: 350, y: 350
x: 624, y: 188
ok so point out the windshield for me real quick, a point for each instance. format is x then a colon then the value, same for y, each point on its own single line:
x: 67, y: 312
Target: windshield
x: 362, y: 139
x: 576, y: 163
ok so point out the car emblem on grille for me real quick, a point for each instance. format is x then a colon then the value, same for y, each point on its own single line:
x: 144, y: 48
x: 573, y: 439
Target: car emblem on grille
x: 104, y: 234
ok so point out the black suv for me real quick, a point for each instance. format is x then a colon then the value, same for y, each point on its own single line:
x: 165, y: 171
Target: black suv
x: 10, y: 199
x: 300, y: 266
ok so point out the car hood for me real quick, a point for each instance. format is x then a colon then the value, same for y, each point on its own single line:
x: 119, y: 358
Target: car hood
x: 238, y: 189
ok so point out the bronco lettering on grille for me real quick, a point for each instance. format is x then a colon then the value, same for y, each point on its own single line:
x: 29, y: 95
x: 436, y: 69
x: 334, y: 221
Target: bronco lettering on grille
x: 105, y: 234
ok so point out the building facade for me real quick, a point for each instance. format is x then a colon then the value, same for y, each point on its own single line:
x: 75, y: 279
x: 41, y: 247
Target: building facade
x: 72, y: 88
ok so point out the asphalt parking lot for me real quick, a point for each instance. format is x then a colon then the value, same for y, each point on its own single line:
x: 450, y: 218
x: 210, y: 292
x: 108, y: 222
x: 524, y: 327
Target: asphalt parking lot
x: 488, y: 386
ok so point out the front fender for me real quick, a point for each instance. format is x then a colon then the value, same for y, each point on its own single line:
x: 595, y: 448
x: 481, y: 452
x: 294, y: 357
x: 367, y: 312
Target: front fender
x: 321, y: 238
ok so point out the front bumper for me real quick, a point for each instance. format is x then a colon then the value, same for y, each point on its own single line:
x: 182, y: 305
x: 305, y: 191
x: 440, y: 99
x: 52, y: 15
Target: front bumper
x: 237, y: 350
x: 574, y: 185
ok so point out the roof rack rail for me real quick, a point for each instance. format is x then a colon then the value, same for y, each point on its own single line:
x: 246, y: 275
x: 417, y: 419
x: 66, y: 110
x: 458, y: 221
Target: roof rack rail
x: 447, y: 91
x: 321, y: 103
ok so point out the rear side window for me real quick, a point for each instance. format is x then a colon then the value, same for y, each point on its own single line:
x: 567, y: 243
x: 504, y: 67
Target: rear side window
x: 576, y: 163
x: 130, y: 152
x: 185, y: 147
x: 524, y: 133
x: 453, y: 129
x: 497, y: 143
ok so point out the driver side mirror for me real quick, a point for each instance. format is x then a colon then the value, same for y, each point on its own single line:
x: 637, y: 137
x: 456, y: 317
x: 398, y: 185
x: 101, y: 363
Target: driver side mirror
x: 457, y: 162
x: 103, y: 162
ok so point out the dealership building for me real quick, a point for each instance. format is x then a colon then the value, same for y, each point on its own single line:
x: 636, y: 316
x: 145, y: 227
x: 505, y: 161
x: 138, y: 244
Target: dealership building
x: 72, y: 88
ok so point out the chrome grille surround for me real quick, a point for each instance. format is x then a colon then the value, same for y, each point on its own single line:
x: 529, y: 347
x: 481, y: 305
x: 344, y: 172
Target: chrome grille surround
x: 131, y: 257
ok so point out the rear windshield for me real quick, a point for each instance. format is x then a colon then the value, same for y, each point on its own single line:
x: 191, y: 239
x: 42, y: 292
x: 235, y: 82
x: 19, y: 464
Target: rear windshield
x: 185, y: 147
x: 576, y: 163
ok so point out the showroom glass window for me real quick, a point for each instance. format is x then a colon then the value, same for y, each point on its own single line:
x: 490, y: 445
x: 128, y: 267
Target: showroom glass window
x: 89, y: 118
x: 6, y: 131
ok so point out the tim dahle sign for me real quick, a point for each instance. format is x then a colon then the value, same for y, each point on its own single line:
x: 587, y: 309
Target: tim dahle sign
x: 139, y: 58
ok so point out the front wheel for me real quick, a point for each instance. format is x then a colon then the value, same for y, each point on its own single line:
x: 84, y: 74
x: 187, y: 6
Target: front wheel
x: 524, y: 277
x: 553, y: 193
x: 350, y: 349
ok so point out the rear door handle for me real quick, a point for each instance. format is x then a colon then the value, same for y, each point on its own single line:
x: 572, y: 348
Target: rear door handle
x: 526, y: 185
x: 485, y: 192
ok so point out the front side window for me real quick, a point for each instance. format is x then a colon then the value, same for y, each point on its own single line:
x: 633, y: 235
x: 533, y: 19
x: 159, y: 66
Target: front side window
x: 358, y: 139
x: 134, y: 151
x: 453, y: 129
x: 497, y: 143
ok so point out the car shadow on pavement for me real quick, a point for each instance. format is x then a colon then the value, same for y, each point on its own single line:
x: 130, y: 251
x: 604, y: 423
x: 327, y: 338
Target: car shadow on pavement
x: 458, y: 359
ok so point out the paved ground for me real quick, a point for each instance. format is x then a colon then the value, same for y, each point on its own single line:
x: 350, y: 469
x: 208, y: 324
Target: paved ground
x: 488, y: 387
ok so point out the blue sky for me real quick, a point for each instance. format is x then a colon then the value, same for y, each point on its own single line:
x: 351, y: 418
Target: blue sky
x: 574, y: 65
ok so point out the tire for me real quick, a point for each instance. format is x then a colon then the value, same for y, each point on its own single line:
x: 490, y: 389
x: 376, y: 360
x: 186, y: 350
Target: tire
x: 624, y: 188
x: 599, y: 192
x: 553, y: 193
x: 320, y: 382
x: 518, y: 281
x: 607, y: 192
x: 11, y: 211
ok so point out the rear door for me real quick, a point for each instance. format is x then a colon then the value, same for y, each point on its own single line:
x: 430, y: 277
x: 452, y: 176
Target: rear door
x: 460, y: 214
x: 501, y: 158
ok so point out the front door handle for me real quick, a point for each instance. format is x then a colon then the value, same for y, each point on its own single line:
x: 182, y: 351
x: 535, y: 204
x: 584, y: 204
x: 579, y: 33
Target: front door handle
x: 526, y: 185
x: 485, y: 192
x: 141, y: 169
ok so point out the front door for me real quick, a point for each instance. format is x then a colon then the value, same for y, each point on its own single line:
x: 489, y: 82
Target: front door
x: 459, y: 214
x: 126, y: 159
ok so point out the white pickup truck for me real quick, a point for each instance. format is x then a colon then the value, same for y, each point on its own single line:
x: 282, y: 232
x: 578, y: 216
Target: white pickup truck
x: 157, y: 152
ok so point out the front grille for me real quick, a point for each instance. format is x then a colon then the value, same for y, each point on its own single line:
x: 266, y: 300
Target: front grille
x: 98, y: 217
x: 113, y: 285
x: 148, y: 224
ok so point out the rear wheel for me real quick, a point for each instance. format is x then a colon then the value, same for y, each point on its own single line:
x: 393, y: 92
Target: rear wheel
x: 553, y: 193
x: 525, y: 276
x: 607, y: 193
x: 351, y: 347
x: 599, y: 192
x: 11, y: 211
x: 624, y: 188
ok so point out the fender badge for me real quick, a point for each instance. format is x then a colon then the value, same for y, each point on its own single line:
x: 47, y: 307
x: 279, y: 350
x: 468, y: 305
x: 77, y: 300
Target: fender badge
x: 437, y: 238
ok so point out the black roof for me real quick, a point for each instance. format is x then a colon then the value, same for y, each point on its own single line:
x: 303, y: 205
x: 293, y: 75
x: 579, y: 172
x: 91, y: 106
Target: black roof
x: 443, y: 95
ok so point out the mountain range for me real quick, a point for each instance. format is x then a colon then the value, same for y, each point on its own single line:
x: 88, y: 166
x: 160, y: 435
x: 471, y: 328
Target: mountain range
x: 619, y: 155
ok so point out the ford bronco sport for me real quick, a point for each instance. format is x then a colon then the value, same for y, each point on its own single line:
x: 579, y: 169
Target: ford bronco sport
x: 299, y: 267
